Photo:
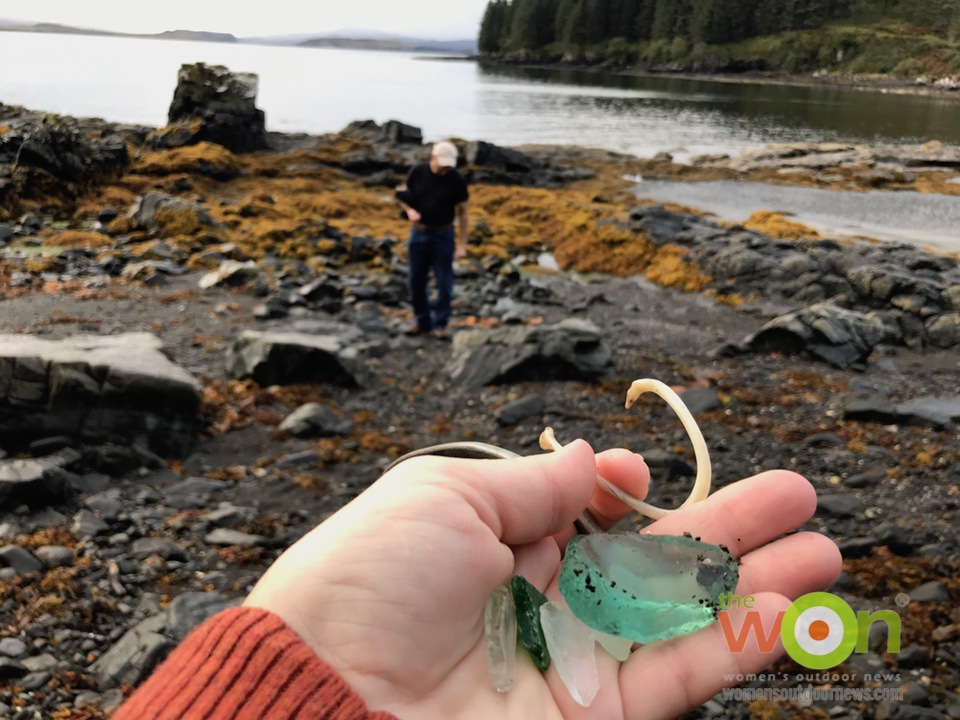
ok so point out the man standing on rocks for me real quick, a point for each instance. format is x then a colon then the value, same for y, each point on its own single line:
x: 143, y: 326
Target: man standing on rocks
x: 434, y: 195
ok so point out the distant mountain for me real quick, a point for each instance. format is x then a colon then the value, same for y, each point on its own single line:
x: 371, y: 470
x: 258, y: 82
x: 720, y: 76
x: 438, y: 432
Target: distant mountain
x: 365, y: 39
x: 198, y: 35
x: 460, y: 47
x: 346, y: 38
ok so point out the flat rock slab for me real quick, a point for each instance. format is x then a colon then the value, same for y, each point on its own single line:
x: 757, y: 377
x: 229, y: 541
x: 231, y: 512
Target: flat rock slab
x: 287, y: 358
x: 91, y: 388
x: 573, y: 349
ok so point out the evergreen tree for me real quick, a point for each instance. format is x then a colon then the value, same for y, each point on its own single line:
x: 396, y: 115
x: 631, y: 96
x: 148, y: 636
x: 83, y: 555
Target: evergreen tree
x: 492, y: 27
x: 598, y: 21
x: 575, y: 29
x: 664, y: 20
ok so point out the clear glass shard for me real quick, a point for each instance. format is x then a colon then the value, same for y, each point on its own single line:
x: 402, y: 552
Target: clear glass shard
x: 500, y: 637
x: 617, y: 647
x: 572, y: 649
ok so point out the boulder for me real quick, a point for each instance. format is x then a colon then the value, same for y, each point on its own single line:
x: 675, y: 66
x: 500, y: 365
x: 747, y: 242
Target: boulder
x: 823, y: 331
x: 214, y: 105
x: 57, y: 146
x: 573, y: 349
x: 943, y: 331
x: 155, y: 212
x: 94, y: 389
x: 232, y: 273
x: 315, y: 420
x: 486, y: 154
x: 392, y: 131
x: 531, y: 406
x: 142, y: 648
x: 36, y: 483
x: 287, y: 358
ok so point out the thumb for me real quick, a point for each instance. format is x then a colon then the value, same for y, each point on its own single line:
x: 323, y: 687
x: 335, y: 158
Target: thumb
x: 525, y: 499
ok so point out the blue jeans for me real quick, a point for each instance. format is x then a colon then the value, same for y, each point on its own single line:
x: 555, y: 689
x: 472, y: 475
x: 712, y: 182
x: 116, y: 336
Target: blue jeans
x: 431, y: 251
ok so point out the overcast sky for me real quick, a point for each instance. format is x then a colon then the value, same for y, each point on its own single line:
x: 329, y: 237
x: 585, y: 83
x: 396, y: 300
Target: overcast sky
x: 441, y: 19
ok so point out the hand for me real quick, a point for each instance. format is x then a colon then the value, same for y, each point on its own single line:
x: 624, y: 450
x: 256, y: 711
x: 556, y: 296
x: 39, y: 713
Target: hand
x: 390, y: 590
x: 460, y: 252
x: 413, y: 215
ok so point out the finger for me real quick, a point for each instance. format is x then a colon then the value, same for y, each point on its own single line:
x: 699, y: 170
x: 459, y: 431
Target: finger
x: 627, y: 471
x: 538, y: 562
x: 521, y: 500
x: 689, y: 670
x: 747, y: 514
x: 792, y: 566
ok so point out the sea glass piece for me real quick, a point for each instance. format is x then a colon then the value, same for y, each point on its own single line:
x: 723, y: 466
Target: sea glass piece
x: 645, y: 587
x: 500, y: 637
x: 618, y: 647
x: 528, y: 601
x: 573, y: 651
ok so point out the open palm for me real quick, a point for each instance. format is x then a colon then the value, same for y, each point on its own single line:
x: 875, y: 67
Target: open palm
x: 390, y: 590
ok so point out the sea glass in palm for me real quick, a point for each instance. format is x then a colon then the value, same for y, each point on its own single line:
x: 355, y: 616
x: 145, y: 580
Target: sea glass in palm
x: 645, y: 587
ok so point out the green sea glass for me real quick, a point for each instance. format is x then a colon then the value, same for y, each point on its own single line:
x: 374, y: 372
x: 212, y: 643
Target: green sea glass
x: 645, y: 587
x: 528, y: 600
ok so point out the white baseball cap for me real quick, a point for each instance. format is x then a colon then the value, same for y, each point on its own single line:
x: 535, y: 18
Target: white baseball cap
x: 446, y: 154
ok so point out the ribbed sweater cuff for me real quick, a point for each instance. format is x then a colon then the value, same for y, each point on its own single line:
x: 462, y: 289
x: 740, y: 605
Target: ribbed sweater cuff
x: 245, y: 664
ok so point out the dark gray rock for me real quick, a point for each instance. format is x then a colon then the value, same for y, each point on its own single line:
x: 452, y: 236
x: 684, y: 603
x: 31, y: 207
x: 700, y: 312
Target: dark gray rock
x: 11, y: 669
x: 286, y: 358
x: 397, y: 132
x: 58, y: 147
x: 935, y: 411
x: 531, y: 406
x: 164, y: 547
x: 825, y: 332
x: 480, y: 153
x: 87, y: 525
x: 194, y: 486
x: 841, y: 505
x: 189, y: 610
x: 572, y: 349
x: 227, y: 514
x: 133, y: 657
x: 225, y: 536
x: 666, y: 467
x: 934, y: 591
x: 929, y: 411
x: 943, y: 331
x: 658, y: 223
x: 223, y: 102
x: 12, y: 647
x: 54, y: 556
x: 14, y: 556
x: 95, y: 389
x: 315, y: 420
x: 913, y: 657
x: 32, y: 482
x: 144, y: 213
x: 107, y: 505
x: 700, y: 399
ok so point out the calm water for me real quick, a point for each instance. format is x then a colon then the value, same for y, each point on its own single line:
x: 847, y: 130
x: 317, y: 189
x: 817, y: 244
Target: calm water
x: 321, y: 90
x: 923, y: 219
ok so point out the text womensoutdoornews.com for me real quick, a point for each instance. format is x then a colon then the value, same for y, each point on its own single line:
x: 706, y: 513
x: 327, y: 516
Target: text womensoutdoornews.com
x: 808, y: 694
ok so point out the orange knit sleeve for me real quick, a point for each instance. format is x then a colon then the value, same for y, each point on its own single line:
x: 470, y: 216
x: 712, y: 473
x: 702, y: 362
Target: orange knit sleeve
x: 245, y: 664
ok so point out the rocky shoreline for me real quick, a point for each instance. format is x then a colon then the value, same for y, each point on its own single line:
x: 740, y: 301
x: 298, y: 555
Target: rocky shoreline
x: 929, y: 86
x: 261, y: 277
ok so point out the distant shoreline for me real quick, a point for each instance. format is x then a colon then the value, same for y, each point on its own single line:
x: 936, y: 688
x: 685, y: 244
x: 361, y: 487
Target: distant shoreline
x: 874, y: 83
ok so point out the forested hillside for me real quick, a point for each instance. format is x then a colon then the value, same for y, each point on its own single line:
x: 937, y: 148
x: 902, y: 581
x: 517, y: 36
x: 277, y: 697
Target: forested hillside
x: 886, y: 36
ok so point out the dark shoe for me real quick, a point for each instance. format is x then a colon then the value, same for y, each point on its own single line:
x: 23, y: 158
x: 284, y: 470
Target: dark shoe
x: 414, y: 330
x: 441, y: 333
